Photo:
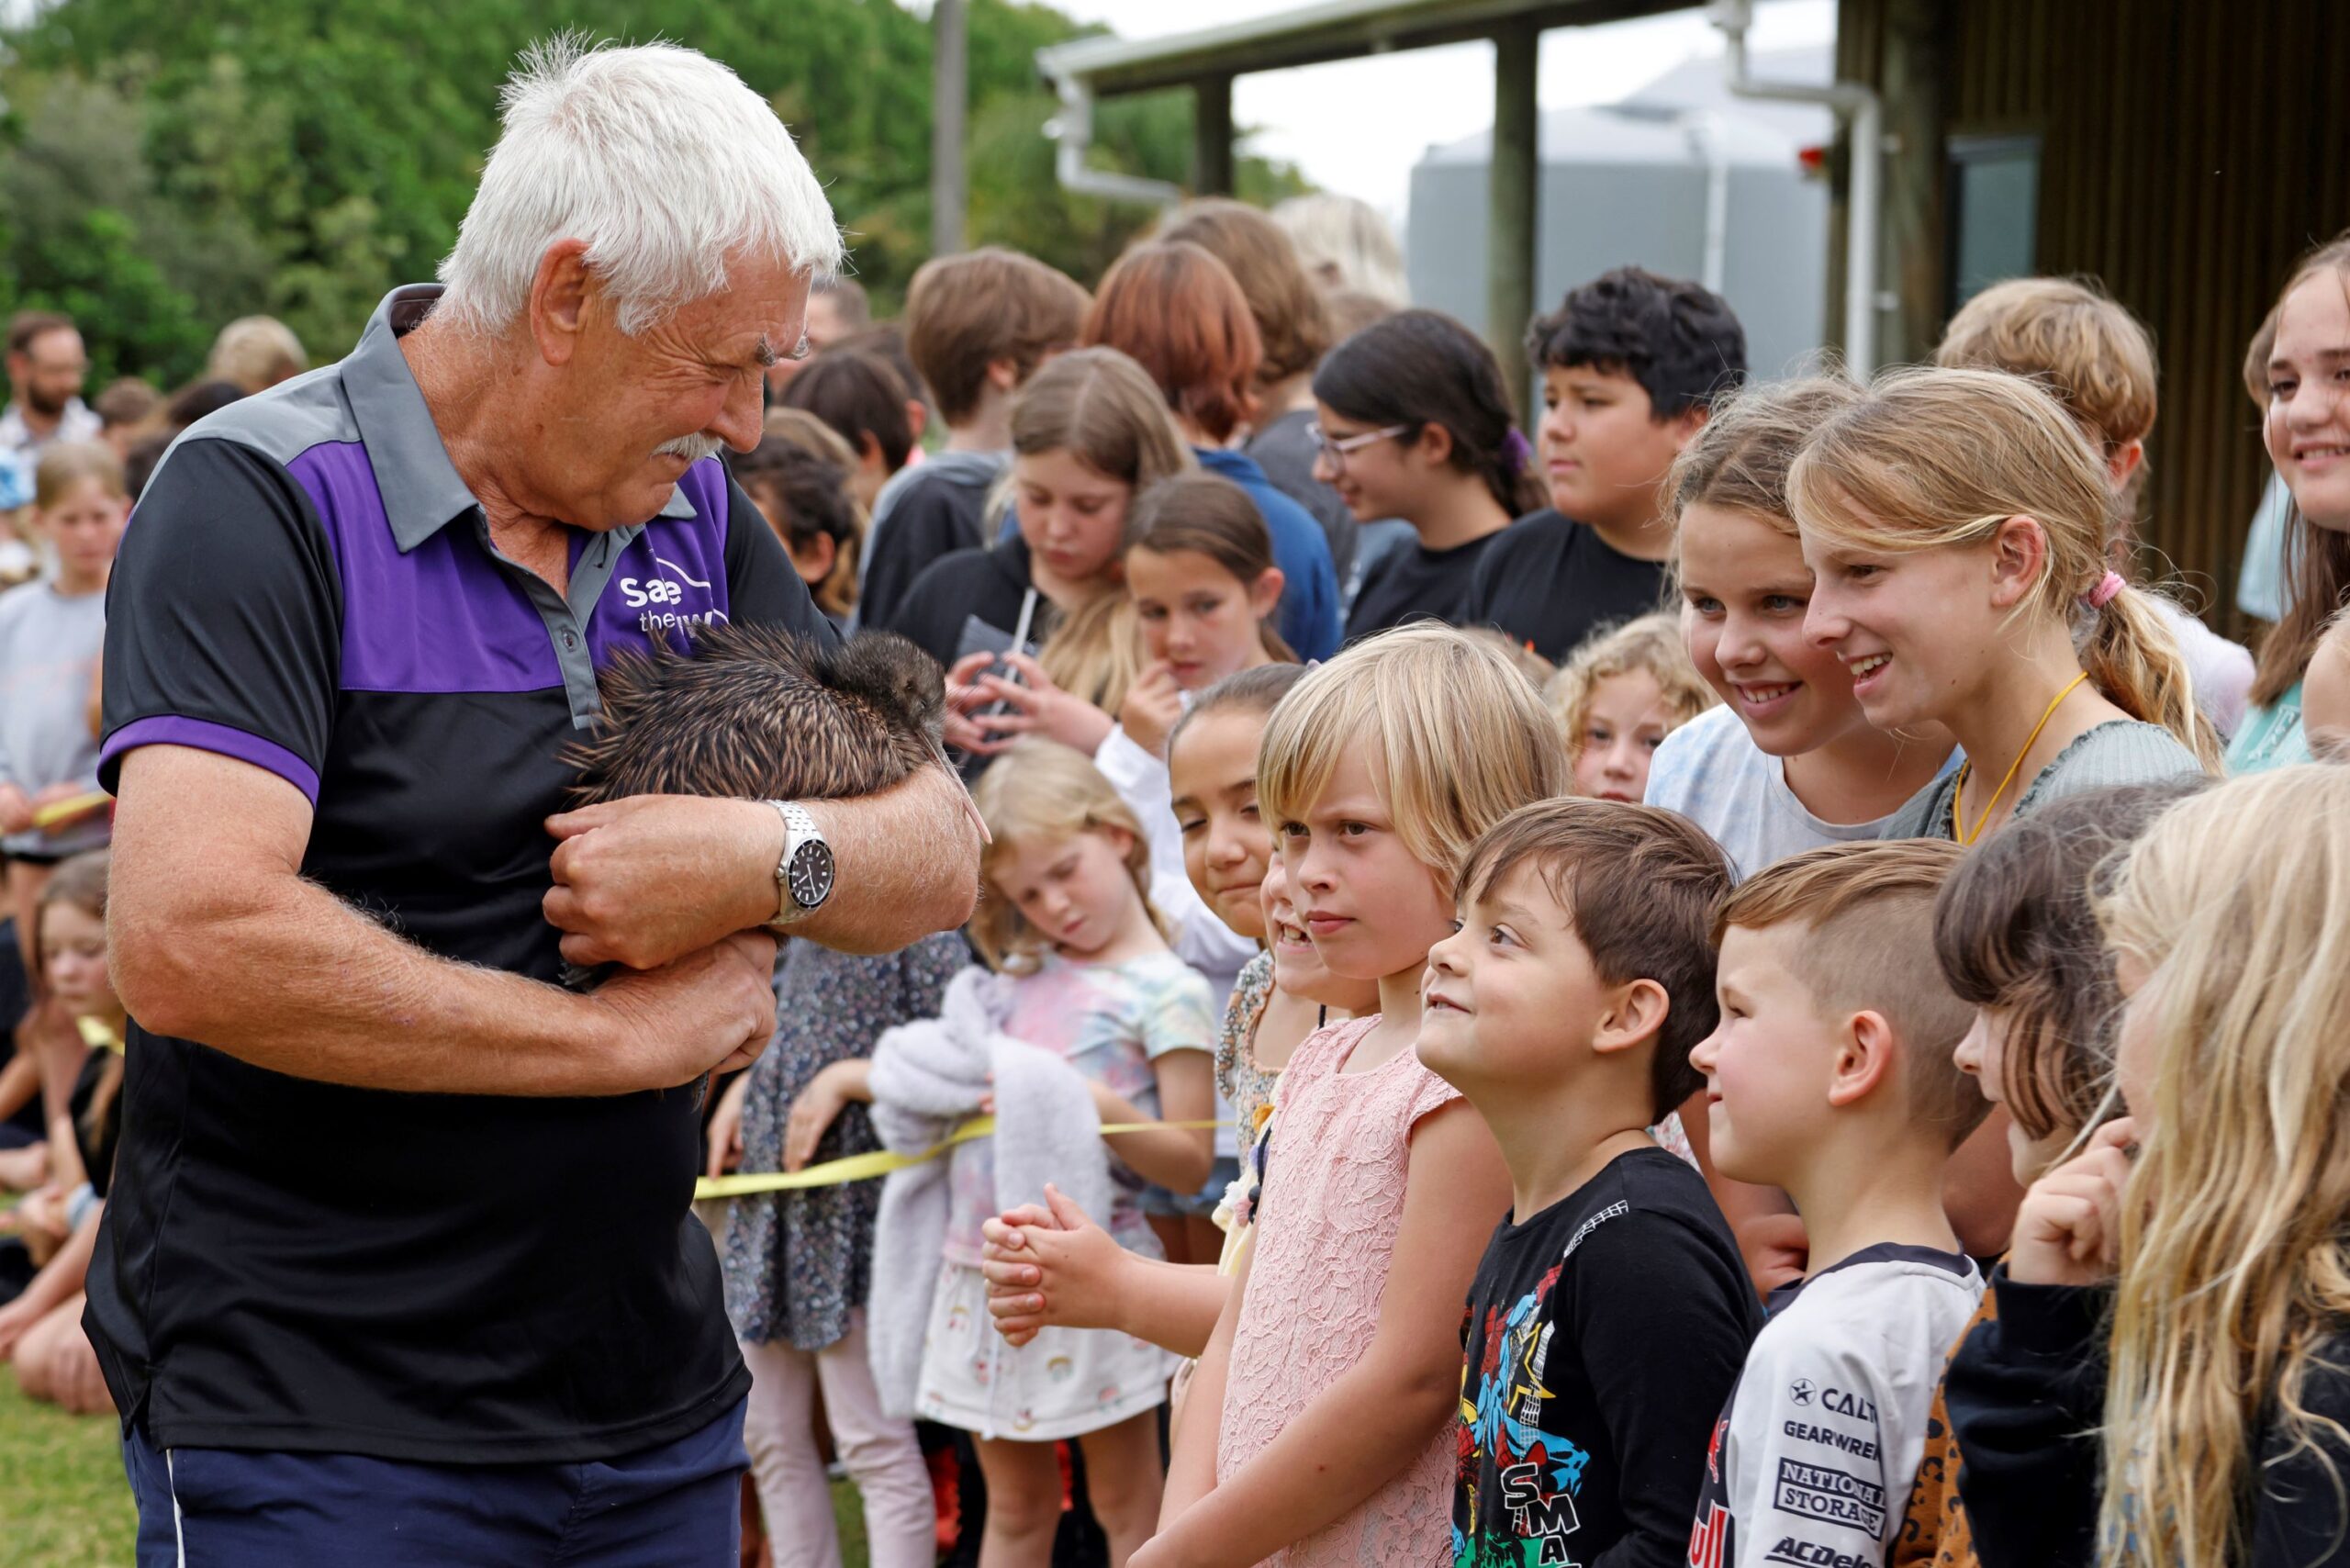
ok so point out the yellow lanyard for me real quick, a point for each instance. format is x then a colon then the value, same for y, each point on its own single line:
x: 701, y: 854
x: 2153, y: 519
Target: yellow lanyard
x: 1958, y: 795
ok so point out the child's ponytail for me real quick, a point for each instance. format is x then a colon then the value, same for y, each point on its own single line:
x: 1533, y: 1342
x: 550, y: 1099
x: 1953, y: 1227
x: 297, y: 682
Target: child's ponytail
x: 2133, y: 657
x: 1934, y: 459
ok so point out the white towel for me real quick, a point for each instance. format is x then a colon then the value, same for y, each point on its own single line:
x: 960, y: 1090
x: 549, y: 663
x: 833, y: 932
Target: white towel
x: 927, y: 1078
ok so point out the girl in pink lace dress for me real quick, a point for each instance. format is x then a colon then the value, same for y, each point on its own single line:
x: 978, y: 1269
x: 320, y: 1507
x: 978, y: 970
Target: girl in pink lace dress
x: 1319, y: 1428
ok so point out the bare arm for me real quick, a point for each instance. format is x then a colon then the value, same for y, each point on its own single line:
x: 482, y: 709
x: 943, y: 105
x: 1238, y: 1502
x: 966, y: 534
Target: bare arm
x: 1191, y: 1467
x: 20, y: 1081
x: 216, y: 937
x: 62, y: 1053
x: 1055, y: 1268
x: 1359, y: 1432
x: 1176, y: 1157
x: 641, y: 881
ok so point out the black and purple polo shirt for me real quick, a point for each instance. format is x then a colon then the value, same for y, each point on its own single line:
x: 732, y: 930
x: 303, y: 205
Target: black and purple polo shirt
x: 308, y: 586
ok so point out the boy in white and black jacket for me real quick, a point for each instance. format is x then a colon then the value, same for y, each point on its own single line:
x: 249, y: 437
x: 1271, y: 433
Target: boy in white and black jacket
x: 1831, y: 1075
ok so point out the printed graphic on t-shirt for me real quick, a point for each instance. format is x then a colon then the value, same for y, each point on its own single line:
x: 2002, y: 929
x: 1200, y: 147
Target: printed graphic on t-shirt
x: 1821, y: 1501
x: 1515, y: 1504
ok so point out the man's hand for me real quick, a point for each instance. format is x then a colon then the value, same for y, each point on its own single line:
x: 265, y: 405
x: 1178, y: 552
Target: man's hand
x: 16, y: 809
x: 713, y: 1008
x: 643, y: 881
x: 1051, y: 1267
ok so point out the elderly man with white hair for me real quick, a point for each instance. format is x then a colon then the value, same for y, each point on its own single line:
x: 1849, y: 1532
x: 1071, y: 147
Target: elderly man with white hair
x: 397, y: 1266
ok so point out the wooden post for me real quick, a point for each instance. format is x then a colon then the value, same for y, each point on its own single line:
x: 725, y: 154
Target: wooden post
x: 948, y: 193
x: 1916, y: 239
x: 1212, y: 136
x: 1512, y: 201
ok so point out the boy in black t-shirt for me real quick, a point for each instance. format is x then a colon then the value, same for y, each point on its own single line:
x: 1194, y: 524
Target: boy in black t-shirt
x: 1611, y: 1311
x: 1630, y: 364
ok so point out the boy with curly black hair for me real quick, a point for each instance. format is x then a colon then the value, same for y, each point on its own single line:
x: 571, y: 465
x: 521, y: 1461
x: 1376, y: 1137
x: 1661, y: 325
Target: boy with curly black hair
x: 1630, y: 364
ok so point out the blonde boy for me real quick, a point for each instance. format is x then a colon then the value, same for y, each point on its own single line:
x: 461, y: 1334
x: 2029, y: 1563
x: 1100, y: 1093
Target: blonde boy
x: 1831, y: 1076
x: 2099, y: 360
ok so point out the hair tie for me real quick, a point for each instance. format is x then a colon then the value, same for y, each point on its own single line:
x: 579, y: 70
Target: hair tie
x: 2102, y: 595
x: 1516, y: 452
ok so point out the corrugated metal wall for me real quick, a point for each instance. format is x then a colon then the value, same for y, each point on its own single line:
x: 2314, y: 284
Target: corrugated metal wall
x: 2191, y: 151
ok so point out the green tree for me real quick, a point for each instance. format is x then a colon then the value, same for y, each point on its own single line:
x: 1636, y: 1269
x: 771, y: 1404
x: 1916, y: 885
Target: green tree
x: 277, y: 155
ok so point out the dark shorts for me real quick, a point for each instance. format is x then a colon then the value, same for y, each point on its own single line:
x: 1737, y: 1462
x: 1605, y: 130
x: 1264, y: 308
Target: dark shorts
x: 1158, y: 1201
x: 678, y: 1503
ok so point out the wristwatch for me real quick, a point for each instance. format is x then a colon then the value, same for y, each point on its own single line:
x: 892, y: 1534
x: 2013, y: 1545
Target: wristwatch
x: 803, y: 878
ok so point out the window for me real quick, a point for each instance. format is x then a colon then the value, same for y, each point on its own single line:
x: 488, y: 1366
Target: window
x: 1994, y: 212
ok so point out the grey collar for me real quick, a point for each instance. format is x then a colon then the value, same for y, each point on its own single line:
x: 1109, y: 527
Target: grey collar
x: 421, y: 487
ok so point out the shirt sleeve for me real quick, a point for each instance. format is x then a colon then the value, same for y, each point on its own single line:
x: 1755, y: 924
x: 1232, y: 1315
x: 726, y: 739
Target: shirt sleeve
x: 923, y: 525
x: 224, y: 619
x: 1651, y: 1281
x: 1309, y: 608
x: 2026, y: 1392
x: 761, y: 586
x: 1141, y: 781
x: 1179, y: 1017
x: 1807, y: 1462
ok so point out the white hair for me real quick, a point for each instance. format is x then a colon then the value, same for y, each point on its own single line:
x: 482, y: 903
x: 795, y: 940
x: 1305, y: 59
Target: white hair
x: 1344, y: 241
x: 659, y: 158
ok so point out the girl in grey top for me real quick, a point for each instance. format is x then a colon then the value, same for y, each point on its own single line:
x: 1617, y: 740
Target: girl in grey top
x: 1957, y: 522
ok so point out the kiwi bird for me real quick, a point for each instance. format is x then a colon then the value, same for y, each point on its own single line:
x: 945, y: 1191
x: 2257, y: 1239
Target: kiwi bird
x: 754, y: 713
x: 760, y: 713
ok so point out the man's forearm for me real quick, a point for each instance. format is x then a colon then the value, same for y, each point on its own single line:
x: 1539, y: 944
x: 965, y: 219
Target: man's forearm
x: 906, y: 864
x: 284, y: 976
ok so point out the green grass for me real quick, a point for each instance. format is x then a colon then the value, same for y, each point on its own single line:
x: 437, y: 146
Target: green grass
x: 64, y: 1504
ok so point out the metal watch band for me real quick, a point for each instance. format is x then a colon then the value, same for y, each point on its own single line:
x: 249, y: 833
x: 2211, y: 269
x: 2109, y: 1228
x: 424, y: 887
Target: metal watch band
x: 798, y: 828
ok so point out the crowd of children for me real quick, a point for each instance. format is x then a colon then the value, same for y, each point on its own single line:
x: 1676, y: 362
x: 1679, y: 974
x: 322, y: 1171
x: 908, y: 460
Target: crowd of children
x: 1691, y: 986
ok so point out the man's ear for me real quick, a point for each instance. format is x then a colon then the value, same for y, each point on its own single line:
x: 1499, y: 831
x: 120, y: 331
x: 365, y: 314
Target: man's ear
x: 2019, y: 558
x: 560, y: 300
x: 1865, y: 1057
x: 1636, y: 1011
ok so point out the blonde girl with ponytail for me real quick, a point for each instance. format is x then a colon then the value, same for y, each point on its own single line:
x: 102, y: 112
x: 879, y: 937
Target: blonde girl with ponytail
x: 2168, y: 1381
x: 1957, y: 523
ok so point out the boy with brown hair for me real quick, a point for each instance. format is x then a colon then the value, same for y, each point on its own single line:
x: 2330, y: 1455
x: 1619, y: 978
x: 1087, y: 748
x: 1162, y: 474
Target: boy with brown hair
x: 1611, y: 1310
x: 1831, y: 1075
x: 2097, y: 359
x: 977, y: 325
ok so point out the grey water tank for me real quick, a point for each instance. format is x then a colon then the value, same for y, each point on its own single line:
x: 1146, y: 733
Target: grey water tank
x: 1633, y: 182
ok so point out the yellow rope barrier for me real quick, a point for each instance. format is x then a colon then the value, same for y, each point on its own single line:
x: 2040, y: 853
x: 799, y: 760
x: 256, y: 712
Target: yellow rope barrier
x: 880, y: 1162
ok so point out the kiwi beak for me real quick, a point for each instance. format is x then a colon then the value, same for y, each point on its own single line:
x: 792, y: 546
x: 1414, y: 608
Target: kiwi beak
x: 971, y: 809
x: 971, y: 806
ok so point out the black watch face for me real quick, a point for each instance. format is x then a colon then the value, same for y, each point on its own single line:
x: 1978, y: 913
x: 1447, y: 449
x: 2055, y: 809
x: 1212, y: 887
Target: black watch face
x: 811, y: 874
